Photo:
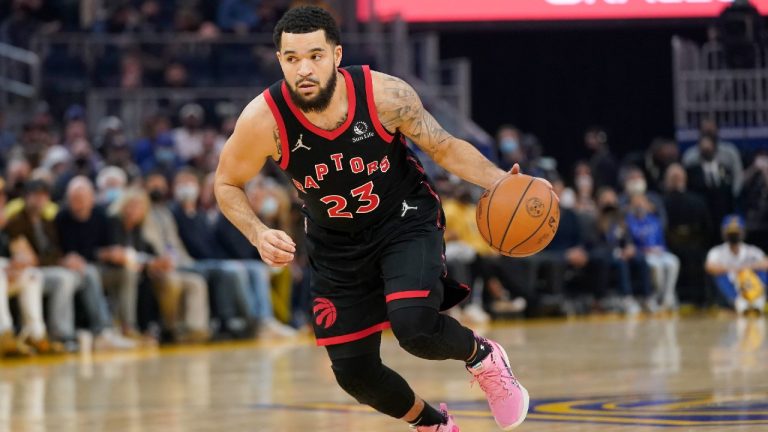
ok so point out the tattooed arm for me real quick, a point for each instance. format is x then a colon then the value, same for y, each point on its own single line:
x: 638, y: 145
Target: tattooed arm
x: 400, y: 108
x: 255, y: 139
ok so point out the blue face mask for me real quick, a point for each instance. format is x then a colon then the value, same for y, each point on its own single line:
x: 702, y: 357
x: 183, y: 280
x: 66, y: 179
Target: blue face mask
x: 112, y: 194
x: 508, y: 145
x: 269, y: 207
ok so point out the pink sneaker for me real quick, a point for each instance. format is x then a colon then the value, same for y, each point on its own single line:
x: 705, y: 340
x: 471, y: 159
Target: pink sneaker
x: 506, y: 397
x: 449, y: 426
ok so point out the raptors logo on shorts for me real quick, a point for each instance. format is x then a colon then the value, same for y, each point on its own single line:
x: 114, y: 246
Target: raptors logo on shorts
x: 325, y: 312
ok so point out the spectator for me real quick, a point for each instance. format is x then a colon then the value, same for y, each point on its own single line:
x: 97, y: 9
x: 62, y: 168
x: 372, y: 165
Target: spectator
x: 19, y: 278
x: 85, y: 237
x: 740, y: 270
x: 688, y: 229
x: 647, y: 232
x: 615, y: 246
x: 509, y: 147
x: 111, y: 182
x: 724, y: 153
x: 131, y: 71
x: 712, y: 180
x: 272, y: 205
x: 635, y: 184
x: 602, y: 162
x: 212, y: 143
x: 155, y: 152
x: 188, y: 138
x: 174, y: 288
x: 7, y: 139
x: 238, y: 16
x: 654, y: 161
x: 34, y: 240
x: 584, y: 186
x: 754, y: 200
x: 249, y: 280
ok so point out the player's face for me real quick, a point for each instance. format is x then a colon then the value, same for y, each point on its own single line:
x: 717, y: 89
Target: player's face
x: 309, y: 65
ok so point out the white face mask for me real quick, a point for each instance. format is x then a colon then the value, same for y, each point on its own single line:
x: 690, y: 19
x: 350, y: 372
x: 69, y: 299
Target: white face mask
x: 268, y: 207
x: 187, y: 192
x: 636, y: 187
x: 583, y: 182
x: 567, y: 198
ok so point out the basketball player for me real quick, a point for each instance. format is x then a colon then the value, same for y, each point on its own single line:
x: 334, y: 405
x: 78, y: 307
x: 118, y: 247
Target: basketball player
x: 374, y: 223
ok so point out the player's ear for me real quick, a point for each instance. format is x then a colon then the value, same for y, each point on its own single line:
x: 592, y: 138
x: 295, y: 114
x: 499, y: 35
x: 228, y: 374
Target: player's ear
x: 279, y: 56
x: 337, y: 55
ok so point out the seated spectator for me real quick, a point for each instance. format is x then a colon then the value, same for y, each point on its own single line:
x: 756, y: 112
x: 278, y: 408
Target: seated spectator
x: 647, y: 232
x: 111, y: 182
x: 754, y: 200
x: 614, y: 245
x: 635, y: 184
x: 251, y: 278
x: 740, y: 270
x: 713, y: 180
x: 18, y: 278
x: 584, y: 186
x: 85, y: 236
x: 155, y: 151
x: 176, y: 290
x: 163, y: 233
x: 602, y: 163
x: 188, y: 138
x: 688, y: 230
x: 725, y: 153
x: 37, y: 241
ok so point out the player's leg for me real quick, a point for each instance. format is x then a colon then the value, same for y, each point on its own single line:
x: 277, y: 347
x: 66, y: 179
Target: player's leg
x: 412, y: 267
x: 359, y: 371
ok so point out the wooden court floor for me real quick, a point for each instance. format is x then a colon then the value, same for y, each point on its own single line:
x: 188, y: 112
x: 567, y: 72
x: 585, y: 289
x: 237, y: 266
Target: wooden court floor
x: 703, y: 373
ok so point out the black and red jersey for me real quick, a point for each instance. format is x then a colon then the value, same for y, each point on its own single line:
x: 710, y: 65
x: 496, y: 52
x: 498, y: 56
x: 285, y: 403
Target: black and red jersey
x: 352, y: 176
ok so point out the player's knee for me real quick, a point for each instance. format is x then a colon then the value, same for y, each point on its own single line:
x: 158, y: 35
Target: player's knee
x: 416, y: 331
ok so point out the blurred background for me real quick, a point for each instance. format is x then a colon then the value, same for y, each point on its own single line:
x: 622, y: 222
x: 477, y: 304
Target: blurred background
x: 650, y: 117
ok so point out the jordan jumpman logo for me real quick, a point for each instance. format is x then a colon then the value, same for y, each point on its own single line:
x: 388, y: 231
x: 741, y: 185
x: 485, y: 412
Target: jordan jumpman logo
x: 406, y: 207
x: 300, y: 144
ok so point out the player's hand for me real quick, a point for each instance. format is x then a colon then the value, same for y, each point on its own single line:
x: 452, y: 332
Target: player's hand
x: 516, y: 170
x: 275, y: 247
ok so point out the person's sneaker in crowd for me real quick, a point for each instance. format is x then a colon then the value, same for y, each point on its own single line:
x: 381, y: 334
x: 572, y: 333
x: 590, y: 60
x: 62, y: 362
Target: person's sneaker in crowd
x: 272, y: 328
x: 630, y: 305
x: 109, y: 340
x: 652, y: 305
x: 193, y: 337
x: 10, y: 346
x: 46, y: 346
x: 507, y: 398
x: 474, y: 313
x: 505, y: 306
x: 448, y: 426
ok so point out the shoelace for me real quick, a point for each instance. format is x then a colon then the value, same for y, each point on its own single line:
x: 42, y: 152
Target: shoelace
x: 493, y: 383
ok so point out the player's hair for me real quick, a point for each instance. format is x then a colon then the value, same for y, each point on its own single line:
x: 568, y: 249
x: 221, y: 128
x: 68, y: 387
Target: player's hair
x: 307, y: 19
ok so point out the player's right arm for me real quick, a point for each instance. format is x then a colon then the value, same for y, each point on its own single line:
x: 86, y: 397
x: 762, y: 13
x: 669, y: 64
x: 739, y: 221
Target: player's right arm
x: 255, y: 139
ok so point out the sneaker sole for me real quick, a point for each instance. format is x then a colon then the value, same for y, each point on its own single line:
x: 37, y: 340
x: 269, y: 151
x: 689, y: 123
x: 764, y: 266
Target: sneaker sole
x: 526, y: 398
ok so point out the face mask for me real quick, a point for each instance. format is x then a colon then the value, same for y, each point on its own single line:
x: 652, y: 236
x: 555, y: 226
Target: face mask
x: 733, y: 238
x: 636, y: 187
x: 165, y: 155
x: 567, y: 198
x: 112, y: 194
x: 156, y: 195
x: 508, y: 145
x: 583, y: 182
x: 187, y: 192
x: 268, y: 207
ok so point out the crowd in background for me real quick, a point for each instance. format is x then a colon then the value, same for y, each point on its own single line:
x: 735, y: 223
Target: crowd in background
x: 636, y: 233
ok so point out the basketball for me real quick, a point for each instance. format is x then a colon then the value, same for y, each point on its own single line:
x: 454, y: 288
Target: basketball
x: 519, y: 216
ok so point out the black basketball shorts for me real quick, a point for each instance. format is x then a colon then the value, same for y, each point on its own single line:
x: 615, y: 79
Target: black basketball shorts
x: 357, y: 278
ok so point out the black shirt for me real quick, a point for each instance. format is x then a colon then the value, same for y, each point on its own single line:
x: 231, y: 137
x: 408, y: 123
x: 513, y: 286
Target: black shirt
x: 83, y: 237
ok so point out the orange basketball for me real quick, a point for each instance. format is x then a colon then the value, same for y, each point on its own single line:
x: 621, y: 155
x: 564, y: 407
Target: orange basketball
x: 519, y: 216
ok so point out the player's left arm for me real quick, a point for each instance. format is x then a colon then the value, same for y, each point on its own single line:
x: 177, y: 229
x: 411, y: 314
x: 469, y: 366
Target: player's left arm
x: 399, y: 108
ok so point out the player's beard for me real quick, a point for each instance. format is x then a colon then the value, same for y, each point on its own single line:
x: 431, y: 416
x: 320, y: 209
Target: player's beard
x: 320, y: 101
